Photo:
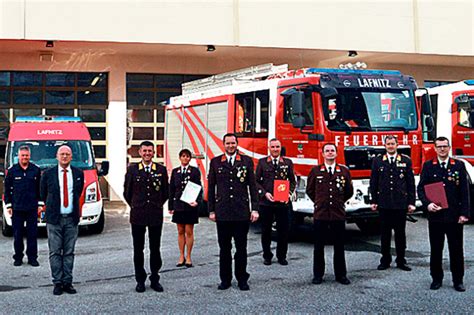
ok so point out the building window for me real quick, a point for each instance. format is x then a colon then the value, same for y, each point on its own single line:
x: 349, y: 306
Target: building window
x: 34, y: 93
x: 146, y: 94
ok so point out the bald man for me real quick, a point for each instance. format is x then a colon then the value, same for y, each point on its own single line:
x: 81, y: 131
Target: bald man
x: 61, y: 188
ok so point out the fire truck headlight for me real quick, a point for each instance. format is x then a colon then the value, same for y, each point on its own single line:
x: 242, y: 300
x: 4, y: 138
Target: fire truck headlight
x: 91, y: 193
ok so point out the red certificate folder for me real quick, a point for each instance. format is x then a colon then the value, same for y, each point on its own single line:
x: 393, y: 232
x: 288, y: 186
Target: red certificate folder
x: 281, y: 190
x: 436, y: 194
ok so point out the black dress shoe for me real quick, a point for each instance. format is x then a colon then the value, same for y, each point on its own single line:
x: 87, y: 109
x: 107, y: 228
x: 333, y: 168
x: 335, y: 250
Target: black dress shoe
x: 283, y: 262
x: 459, y: 287
x: 17, y: 263
x: 317, y: 280
x: 243, y: 286
x: 140, y: 288
x: 180, y: 264
x: 435, y: 285
x: 223, y: 286
x: 404, y: 267
x: 343, y: 280
x: 267, y: 262
x: 383, y: 267
x: 58, y: 289
x: 68, y: 288
x: 189, y: 265
x: 156, y: 286
x: 33, y: 263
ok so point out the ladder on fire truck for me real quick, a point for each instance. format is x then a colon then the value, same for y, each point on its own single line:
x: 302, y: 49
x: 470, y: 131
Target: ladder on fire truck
x: 233, y: 78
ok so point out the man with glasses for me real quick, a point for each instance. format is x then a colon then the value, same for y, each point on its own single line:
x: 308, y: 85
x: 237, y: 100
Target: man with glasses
x: 446, y: 221
x: 329, y: 187
x: 392, y: 190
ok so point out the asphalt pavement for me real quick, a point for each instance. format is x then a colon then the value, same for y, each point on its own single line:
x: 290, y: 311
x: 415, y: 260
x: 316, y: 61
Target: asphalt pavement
x: 103, y: 277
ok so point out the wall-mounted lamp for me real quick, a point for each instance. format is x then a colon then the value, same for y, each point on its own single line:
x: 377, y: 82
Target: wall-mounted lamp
x: 49, y: 44
x: 211, y: 48
x: 352, y: 53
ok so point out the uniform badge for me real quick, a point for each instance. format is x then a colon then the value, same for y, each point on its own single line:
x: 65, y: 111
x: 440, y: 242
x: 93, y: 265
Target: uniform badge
x: 401, y: 176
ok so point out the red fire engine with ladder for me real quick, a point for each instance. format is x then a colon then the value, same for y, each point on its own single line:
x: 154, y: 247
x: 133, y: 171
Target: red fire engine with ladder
x: 304, y: 109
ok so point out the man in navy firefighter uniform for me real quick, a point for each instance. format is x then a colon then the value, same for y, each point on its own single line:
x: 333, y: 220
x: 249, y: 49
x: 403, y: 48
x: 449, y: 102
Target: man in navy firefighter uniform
x: 269, y: 169
x: 231, y: 190
x: 22, y: 201
x: 392, y: 189
x: 146, y: 190
x: 329, y: 187
x: 452, y: 173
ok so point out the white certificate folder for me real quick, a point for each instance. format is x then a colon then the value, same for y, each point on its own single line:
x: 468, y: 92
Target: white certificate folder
x: 191, y: 192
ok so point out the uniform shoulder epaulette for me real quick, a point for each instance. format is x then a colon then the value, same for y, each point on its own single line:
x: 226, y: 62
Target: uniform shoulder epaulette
x: 11, y: 166
x: 343, y: 166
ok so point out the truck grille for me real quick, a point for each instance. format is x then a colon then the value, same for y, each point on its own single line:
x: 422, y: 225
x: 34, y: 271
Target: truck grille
x: 360, y: 158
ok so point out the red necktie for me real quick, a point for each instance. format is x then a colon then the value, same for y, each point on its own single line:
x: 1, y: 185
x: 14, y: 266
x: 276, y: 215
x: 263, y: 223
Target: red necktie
x: 65, y: 189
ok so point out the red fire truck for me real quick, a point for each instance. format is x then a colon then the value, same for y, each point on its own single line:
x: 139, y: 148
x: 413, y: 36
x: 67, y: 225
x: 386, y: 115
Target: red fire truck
x: 453, y: 116
x: 44, y: 135
x: 305, y: 109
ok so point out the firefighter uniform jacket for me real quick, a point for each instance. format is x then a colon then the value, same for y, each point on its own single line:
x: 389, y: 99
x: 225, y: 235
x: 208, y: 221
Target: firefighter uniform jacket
x: 229, y: 188
x: 456, y: 186
x: 329, y: 192
x: 178, y: 183
x: 392, y: 185
x: 267, y: 173
x: 22, y: 188
x: 145, y: 193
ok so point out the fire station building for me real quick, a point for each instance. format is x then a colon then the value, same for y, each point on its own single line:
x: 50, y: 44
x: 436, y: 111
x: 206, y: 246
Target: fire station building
x: 113, y: 63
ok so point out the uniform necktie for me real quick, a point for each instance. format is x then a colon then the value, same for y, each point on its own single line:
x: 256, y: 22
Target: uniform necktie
x: 147, y: 169
x: 184, y: 170
x: 443, y: 165
x: 392, y: 159
x: 275, y: 162
x: 330, y: 170
x: 230, y: 161
x: 65, y: 189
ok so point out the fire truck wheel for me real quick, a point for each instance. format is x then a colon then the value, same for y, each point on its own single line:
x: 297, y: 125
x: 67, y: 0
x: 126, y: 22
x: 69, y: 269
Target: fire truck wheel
x: 6, y: 229
x: 99, y: 226
x: 369, y: 226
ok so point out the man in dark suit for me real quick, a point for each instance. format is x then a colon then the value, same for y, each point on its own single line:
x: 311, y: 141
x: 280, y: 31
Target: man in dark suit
x: 446, y: 221
x: 269, y: 169
x: 231, y: 181
x: 22, y: 201
x: 146, y: 190
x: 61, y: 188
x: 329, y: 187
x: 392, y: 189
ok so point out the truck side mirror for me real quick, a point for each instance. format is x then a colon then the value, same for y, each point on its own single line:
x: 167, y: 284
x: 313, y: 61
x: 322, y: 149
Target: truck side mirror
x: 429, y: 123
x: 460, y: 99
x: 104, y: 168
x: 296, y: 102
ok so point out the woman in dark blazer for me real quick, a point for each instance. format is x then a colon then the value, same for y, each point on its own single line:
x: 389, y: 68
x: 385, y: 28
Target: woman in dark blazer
x: 184, y: 215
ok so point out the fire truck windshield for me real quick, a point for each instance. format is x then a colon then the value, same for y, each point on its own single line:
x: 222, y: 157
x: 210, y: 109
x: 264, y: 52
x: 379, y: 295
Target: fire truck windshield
x: 43, y: 153
x: 370, y: 110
